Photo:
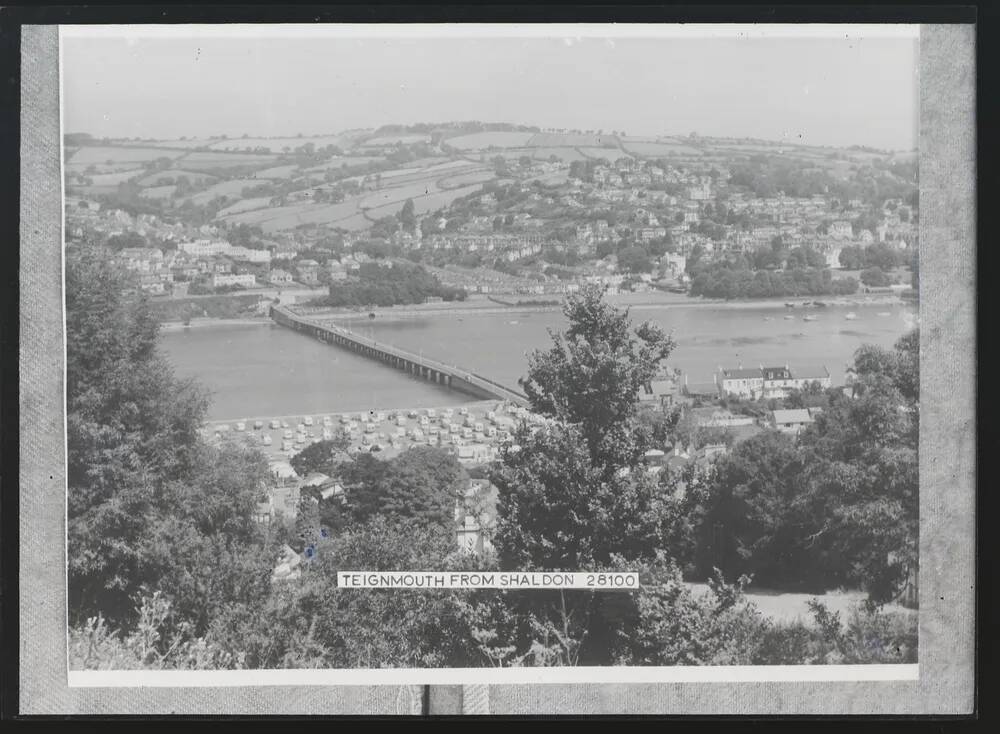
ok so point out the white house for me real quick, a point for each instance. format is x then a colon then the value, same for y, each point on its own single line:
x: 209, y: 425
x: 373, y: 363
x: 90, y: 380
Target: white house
x: 791, y: 421
x: 247, y: 280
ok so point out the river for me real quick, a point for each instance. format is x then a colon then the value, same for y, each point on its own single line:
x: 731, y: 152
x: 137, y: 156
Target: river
x: 266, y: 370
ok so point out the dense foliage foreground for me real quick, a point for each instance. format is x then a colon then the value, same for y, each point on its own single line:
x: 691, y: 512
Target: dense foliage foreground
x: 168, y: 568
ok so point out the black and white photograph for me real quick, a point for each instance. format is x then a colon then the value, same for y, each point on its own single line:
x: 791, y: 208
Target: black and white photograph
x: 492, y: 353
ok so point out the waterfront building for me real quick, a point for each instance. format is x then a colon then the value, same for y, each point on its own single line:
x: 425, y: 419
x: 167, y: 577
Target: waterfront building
x: 741, y: 383
x: 779, y: 382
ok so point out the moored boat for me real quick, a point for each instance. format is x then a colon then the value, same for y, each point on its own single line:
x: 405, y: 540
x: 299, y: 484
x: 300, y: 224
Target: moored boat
x: 851, y: 316
x: 808, y: 318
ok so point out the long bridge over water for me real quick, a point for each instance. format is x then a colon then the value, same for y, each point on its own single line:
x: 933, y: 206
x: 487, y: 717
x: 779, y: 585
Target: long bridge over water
x: 451, y: 376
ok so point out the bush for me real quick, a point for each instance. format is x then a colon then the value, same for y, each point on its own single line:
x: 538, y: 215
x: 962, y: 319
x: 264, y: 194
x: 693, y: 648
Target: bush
x: 869, y: 636
x: 152, y: 646
x: 677, y: 627
x: 875, y: 278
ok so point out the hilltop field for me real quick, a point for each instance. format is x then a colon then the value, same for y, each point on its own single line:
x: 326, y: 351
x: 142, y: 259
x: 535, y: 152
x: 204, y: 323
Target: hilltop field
x: 350, y: 180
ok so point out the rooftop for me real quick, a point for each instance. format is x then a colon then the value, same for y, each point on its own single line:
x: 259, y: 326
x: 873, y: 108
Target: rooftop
x: 798, y: 415
x: 741, y: 373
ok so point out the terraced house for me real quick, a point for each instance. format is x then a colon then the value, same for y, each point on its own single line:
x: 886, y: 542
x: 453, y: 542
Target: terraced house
x: 769, y: 382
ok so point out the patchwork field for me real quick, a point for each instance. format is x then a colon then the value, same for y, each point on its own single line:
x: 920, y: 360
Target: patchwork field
x: 426, y: 162
x: 359, y: 212
x: 281, y: 172
x: 609, y: 154
x: 354, y: 223
x: 208, y: 159
x: 448, y: 166
x: 394, y: 139
x: 398, y: 194
x: 659, y: 149
x: 464, y: 179
x: 559, y: 177
x: 113, y: 179
x: 480, y: 141
x: 158, y: 192
x: 161, y: 178
x: 752, y: 147
x: 114, y: 154
x: 262, y: 215
x: 567, y: 155
x: 573, y: 140
x: 347, y: 161
x: 79, y: 190
x: 510, y: 154
x: 189, y: 143
x: 278, y: 145
x: 101, y: 167
x: 234, y: 189
x: 244, y: 205
x: 406, y: 176
x: 423, y: 204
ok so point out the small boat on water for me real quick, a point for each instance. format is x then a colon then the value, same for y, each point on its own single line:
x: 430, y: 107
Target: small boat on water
x: 851, y: 316
x: 768, y: 318
x: 789, y: 317
x: 808, y: 318
x: 819, y: 304
x: 789, y: 305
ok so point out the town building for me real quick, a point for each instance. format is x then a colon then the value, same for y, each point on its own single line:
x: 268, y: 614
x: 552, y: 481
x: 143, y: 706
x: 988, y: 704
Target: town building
x: 741, y: 383
x: 715, y: 417
x: 841, y: 230
x: 779, y: 382
x: 205, y: 248
x: 246, y: 280
x: 791, y: 421
x: 337, y: 270
x: 308, y: 271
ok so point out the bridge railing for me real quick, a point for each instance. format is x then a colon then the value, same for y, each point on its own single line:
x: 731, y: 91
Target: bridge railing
x: 451, y: 369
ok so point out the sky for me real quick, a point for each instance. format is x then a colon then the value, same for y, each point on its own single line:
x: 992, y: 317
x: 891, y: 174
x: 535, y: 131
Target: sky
x: 838, y: 89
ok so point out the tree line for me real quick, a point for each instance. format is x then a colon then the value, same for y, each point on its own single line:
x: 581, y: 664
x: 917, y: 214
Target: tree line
x: 399, y: 284
x: 168, y: 568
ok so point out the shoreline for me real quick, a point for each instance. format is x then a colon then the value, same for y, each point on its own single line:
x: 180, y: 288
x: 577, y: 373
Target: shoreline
x: 213, y: 321
x: 392, y: 313
x: 489, y: 307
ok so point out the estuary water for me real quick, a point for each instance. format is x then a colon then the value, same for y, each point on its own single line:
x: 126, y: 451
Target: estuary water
x: 267, y: 370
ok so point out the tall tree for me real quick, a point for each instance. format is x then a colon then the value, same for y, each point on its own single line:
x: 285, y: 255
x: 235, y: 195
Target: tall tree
x: 322, y: 456
x: 407, y: 218
x: 149, y: 504
x: 571, y: 494
x: 423, y: 484
x: 591, y: 376
x: 131, y: 427
x: 862, y: 475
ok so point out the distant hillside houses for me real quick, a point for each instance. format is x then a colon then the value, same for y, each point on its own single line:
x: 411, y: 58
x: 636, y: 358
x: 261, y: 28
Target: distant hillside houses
x: 208, y: 248
x: 513, y: 246
x: 244, y: 280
